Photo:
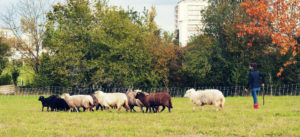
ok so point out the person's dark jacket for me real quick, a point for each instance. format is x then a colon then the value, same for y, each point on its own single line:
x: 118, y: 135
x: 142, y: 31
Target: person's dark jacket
x: 253, y: 79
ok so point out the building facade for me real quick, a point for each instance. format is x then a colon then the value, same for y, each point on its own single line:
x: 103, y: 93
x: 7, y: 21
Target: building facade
x: 10, y: 35
x: 188, y: 19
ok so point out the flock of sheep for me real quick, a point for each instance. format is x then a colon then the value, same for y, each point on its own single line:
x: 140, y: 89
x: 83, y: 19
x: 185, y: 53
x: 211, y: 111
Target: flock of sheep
x: 128, y: 100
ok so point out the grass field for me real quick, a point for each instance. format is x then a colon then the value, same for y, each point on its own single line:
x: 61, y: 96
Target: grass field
x: 22, y: 116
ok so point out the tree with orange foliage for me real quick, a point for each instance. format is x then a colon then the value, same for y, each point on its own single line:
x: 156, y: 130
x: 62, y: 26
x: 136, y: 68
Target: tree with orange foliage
x: 277, y: 19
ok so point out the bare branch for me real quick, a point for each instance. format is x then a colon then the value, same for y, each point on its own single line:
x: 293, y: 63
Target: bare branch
x: 27, y: 21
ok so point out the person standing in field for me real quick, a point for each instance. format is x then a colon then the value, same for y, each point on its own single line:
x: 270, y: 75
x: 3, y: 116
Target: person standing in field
x: 254, y: 82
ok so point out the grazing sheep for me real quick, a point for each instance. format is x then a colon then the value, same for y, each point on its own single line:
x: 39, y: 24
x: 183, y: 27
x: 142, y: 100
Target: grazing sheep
x: 45, y: 102
x: 54, y: 102
x: 60, y: 104
x: 206, y: 97
x: 77, y: 101
x: 96, y: 103
x: 132, y: 101
x: 138, y: 102
x: 154, y: 100
x: 112, y: 99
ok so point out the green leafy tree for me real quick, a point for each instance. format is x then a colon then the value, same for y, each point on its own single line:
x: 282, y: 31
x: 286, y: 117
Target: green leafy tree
x: 107, y: 46
x: 4, y: 53
x: 197, y: 58
x: 231, y: 56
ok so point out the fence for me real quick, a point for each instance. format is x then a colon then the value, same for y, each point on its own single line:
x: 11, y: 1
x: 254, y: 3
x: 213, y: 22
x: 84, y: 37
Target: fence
x: 272, y: 90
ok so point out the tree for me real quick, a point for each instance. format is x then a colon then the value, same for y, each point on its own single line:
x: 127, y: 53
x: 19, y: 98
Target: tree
x: 27, y: 19
x: 277, y: 19
x: 106, y: 46
x: 229, y: 56
x: 4, y: 53
x: 69, y: 36
x: 15, y: 74
x: 197, y: 61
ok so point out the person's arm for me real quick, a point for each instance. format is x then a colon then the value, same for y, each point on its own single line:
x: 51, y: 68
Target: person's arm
x: 263, y: 79
x: 249, y: 81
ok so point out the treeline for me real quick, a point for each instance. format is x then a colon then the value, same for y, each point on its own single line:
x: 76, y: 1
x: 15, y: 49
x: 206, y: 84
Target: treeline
x: 96, y: 44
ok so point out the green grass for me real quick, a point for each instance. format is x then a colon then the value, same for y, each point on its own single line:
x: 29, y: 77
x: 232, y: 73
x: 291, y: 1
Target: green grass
x: 22, y: 116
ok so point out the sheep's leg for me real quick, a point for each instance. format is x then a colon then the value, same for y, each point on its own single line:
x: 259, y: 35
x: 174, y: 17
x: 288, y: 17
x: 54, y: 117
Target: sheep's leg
x: 107, y: 108
x: 47, y: 109
x: 142, y: 109
x: 217, y: 106
x: 202, y: 108
x: 119, y: 108
x: 221, y: 107
x: 194, y: 108
x: 154, y: 109
x: 169, y: 109
x: 163, y: 109
x: 133, y: 109
x: 147, y: 110
x: 126, y: 106
x: 42, y: 108
x: 100, y: 106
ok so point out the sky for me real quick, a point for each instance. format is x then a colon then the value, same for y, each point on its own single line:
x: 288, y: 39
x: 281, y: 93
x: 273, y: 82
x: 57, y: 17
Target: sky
x: 165, y: 10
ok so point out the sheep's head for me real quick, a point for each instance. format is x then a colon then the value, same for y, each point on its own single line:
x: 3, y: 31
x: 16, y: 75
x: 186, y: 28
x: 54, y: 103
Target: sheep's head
x: 129, y: 91
x: 99, y: 92
x: 95, y: 100
x: 137, y: 90
x: 189, y: 92
x: 41, y: 98
x: 139, y: 95
x: 65, y: 95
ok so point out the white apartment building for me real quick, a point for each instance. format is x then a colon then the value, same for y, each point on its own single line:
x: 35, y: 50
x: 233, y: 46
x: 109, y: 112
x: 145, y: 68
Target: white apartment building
x: 6, y: 33
x: 9, y: 34
x: 188, y: 19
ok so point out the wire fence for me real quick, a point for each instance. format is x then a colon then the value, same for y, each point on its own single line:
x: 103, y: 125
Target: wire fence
x: 271, y: 90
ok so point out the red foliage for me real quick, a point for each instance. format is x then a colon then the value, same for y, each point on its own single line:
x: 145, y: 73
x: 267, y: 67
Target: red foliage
x: 278, y: 19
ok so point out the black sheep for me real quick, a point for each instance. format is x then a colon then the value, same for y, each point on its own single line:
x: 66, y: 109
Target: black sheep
x: 44, y: 103
x: 54, y: 102
x: 60, y: 104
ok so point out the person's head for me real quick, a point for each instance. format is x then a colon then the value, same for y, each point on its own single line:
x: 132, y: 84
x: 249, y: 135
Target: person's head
x: 253, y: 65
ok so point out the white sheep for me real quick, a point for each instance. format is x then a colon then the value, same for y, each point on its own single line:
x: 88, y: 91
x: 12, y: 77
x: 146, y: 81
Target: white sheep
x: 112, y: 99
x: 206, y: 97
x: 77, y: 101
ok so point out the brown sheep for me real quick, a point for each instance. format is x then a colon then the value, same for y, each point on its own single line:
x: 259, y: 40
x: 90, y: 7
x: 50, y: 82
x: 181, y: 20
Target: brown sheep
x: 154, y: 100
x: 132, y: 101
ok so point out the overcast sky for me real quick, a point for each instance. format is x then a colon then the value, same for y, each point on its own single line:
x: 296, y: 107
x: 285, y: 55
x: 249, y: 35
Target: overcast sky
x: 164, y: 8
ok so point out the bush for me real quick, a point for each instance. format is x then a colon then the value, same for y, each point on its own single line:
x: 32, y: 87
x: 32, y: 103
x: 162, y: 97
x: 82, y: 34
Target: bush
x: 5, y: 79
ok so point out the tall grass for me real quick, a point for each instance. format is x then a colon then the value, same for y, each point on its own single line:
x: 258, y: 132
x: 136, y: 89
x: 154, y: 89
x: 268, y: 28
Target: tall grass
x: 22, y: 116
